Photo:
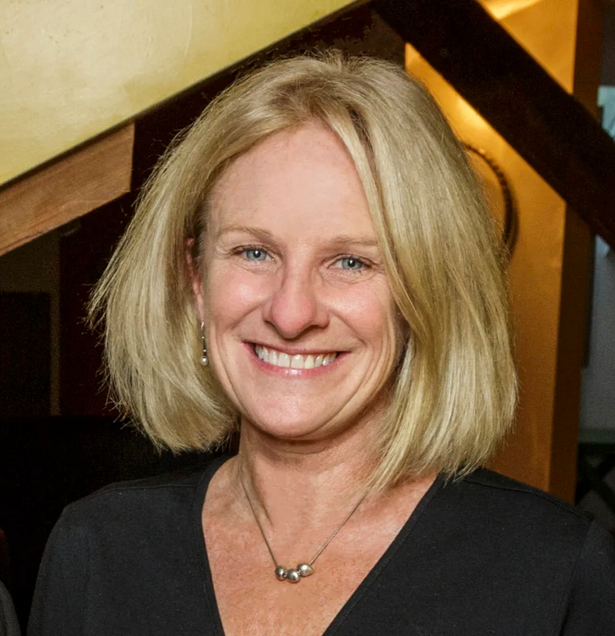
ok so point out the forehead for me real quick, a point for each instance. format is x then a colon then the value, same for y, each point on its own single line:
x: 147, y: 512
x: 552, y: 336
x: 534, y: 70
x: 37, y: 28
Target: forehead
x: 303, y: 177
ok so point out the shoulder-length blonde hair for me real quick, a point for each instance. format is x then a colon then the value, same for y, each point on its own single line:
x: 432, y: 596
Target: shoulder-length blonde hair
x: 455, y: 388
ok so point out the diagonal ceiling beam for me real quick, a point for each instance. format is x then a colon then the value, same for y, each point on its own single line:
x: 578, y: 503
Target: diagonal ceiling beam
x: 66, y: 189
x: 538, y: 118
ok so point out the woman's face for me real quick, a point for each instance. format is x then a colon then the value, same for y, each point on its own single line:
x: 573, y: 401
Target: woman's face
x: 300, y: 320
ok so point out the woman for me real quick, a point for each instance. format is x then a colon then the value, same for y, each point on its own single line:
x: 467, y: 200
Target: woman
x: 313, y: 266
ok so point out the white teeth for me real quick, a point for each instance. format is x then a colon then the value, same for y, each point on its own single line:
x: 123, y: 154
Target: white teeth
x: 281, y: 359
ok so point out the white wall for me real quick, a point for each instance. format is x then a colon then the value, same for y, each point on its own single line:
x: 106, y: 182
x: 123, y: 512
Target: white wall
x: 598, y: 397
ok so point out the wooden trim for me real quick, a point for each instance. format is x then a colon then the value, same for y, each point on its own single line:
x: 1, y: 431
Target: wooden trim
x: 67, y: 188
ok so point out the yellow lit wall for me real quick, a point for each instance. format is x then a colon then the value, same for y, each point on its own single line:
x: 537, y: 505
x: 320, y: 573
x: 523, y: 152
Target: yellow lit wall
x: 547, y: 29
x: 71, y: 69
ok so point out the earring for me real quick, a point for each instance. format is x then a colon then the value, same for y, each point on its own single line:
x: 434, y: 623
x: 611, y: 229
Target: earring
x: 204, y: 360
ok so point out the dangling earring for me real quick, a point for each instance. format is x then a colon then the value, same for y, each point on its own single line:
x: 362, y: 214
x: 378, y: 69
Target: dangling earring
x: 204, y: 360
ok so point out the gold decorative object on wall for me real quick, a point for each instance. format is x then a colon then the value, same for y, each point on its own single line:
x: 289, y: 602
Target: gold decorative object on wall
x: 499, y: 194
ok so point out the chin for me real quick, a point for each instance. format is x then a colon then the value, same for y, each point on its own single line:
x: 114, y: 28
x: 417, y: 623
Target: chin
x: 292, y: 427
x: 291, y: 431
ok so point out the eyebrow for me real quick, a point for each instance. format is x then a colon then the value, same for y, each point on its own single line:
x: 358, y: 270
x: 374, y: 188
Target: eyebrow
x: 258, y: 232
x: 344, y: 239
x: 265, y: 235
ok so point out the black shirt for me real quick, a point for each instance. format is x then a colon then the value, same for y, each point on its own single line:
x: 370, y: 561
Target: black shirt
x: 483, y: 555
x: 8, y: 620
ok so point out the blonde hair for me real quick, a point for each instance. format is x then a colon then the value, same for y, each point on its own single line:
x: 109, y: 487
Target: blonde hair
x: 455, y: 387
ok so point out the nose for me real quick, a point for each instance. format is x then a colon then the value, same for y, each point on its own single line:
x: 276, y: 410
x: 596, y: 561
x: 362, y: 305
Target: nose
x: 296, y: 304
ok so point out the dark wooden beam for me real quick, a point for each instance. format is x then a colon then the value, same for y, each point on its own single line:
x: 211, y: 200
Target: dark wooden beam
x: 538, y: 118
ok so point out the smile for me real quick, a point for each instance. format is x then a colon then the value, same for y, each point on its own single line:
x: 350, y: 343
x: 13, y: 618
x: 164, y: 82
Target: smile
x: 298, y: 361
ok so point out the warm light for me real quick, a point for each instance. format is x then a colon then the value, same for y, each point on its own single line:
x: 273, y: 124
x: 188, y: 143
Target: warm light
x: 472, y: 120
x: 501, y: 9
x: 457, y: 109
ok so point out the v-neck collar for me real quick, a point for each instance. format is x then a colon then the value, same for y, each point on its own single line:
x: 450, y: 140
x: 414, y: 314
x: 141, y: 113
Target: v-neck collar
x: 355, y: 598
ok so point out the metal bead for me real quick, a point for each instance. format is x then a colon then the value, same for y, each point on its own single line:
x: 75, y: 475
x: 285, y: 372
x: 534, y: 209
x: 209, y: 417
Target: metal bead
x: 281, y: 573
x: 305, y: 569
x: 293, y: 576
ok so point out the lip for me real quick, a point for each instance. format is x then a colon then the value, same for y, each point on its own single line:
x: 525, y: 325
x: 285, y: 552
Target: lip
x: 288, y: 371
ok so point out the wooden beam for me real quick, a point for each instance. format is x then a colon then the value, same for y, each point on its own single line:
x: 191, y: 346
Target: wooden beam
x: 66, y: 188
x: 545, y: 125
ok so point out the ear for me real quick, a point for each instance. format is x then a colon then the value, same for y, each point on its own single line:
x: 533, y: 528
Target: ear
x: 196, y: 280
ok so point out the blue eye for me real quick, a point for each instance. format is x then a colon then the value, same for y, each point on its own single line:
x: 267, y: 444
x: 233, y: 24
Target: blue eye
x: 256, y: 255
x: 351, y: 263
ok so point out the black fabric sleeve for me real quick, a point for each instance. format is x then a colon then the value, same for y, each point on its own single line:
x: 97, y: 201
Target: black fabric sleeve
x: 590, y: 610
x: 8, y: 620
x: 58, y: 605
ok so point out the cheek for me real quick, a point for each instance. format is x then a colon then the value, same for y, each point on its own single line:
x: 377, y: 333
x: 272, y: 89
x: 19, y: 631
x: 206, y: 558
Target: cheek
x: 231, y: 292
x: 372, y: 315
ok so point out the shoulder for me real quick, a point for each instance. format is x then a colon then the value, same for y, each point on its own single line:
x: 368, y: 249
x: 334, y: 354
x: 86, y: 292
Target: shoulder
x: 124, y: 505
x: 126, y: 527
x: 489, y: 511
x: 491, y: 494
x: 484, y: 478
x: 506, y: 544
x: 563, y: 553
x: 121, y: 549
x: 8, y: 620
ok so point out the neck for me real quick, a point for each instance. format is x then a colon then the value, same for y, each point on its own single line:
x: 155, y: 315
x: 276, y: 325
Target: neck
x: 298, y: 486
x: 302, y: 492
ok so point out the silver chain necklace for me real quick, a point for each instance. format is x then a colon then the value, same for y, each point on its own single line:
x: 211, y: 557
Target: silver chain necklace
x: 294, y: 575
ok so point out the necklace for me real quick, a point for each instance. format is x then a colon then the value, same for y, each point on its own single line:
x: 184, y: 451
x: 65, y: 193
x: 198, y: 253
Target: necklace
x: 294, y: 575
